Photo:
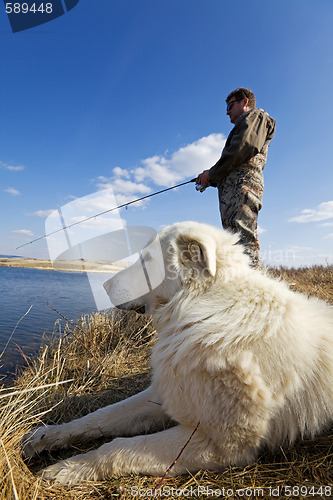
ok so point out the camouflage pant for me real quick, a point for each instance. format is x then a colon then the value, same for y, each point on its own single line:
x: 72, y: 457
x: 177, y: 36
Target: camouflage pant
x: 240, y: 198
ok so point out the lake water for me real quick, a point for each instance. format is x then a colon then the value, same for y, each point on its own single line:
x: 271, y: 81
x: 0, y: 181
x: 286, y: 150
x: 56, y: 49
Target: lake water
x: 20, y: 288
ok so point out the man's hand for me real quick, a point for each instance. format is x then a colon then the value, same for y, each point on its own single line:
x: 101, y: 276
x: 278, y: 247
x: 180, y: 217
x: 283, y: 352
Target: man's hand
x: 204, y: 178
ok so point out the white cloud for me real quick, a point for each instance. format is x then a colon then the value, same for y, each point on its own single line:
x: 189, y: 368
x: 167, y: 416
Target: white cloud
x: 13, y: 168
x: 121, y: 172
x: 328, y: 236
x: 25, y: 232
x: 188, y: 161
x: 261, y: 230
x: 163, y: 170
x: 12, y: 191
x: 326, y: 224
x: 322, y: 212
x: 125, y: 190
x: 42, y: 213
x: 124, y: 186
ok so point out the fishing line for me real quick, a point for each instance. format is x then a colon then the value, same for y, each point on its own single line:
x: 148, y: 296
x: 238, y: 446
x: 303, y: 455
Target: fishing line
x: 105, y: 212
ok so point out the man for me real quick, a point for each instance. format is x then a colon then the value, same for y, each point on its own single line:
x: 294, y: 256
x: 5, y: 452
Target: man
x: 238, y: 174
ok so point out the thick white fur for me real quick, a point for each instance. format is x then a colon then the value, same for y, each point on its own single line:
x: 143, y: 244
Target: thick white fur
x: 236, y: 350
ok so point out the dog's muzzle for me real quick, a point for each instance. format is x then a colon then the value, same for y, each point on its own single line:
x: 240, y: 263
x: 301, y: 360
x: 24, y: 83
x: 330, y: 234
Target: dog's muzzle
x: 128, y: 307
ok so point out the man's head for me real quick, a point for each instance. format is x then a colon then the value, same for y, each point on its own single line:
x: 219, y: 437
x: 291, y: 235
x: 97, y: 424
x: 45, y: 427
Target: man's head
x: 238, y: 102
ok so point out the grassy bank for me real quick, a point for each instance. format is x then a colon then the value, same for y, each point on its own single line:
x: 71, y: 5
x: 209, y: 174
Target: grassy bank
x: 64, y: 265
x: 106, y: 359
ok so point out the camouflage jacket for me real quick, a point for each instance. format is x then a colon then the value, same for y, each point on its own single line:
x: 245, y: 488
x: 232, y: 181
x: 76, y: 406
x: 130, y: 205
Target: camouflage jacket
x: 250, y: 137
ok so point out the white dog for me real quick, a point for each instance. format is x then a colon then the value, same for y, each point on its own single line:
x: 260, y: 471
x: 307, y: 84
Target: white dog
x: 237, y: 352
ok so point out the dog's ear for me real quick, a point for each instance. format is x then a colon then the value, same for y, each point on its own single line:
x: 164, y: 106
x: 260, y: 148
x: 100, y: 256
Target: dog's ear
x: 198, y: 252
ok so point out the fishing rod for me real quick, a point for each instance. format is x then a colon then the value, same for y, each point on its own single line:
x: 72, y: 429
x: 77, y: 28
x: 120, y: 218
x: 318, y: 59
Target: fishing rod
x: 107, y: 211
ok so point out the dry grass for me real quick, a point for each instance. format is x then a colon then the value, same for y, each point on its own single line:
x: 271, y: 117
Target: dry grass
x: 105, y: 360
x: 316, y: 280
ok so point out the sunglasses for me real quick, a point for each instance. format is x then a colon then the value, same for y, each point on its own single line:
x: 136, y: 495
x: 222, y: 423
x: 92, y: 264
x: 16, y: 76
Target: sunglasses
x: 229, y: 105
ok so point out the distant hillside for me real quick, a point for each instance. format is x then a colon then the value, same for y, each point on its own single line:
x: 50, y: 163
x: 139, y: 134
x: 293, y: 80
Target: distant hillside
x: 3, y: 256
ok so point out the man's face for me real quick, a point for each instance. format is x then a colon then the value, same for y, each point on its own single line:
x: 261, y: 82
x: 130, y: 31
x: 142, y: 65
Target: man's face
x: 236, y: 108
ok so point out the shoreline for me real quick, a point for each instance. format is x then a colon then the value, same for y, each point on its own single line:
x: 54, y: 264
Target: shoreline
x: 77, y: 266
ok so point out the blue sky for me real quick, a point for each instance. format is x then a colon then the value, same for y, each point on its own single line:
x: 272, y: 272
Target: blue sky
x: 130, y: 95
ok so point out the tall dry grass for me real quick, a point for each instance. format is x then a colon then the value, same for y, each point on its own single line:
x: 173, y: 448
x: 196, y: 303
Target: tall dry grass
x: 105, y: 359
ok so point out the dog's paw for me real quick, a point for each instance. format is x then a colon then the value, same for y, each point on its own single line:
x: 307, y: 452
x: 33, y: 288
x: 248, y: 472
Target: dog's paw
x: 34, y: 442
x: 71, y: 471
x: 43, y: 438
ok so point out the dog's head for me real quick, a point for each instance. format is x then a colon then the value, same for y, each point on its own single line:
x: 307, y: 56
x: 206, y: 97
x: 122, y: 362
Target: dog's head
x: 182, y: 256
